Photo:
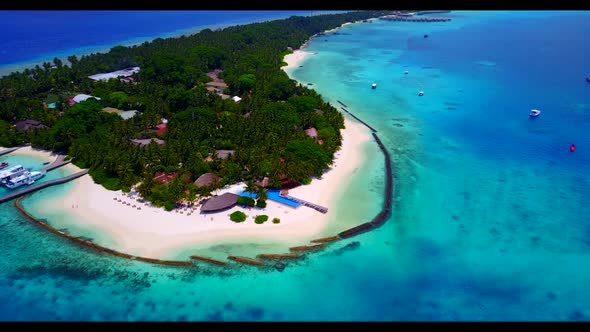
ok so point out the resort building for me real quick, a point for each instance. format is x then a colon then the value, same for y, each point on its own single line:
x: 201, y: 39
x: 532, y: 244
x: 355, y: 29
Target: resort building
x: 29, y: 124
x: 115, y: 74
x: 219, y: 203
x: 146, y: 141
x: 207, y: 179
x: 164, y: 178
x: 82, y: 97
x: 313, y: 133
x: 216, y: 87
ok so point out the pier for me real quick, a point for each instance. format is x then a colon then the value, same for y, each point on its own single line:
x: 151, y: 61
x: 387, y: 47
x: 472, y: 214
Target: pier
x: 305, y: 203
x: 9, y: 150
x: 41, y: 186
x: 59, y: 162
x: 405, y: 18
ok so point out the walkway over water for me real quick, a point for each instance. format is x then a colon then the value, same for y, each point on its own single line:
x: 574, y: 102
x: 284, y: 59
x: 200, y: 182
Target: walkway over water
x: 59, y: 162
x: 8, y: 150
x: 306, y: 203
x: 41, y: 186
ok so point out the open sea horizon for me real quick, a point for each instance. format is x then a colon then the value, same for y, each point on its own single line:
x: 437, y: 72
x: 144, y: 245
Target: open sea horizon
x: 490, y: 218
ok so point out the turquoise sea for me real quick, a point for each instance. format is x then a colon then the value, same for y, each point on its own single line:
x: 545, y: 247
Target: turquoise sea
x: 490, y: 221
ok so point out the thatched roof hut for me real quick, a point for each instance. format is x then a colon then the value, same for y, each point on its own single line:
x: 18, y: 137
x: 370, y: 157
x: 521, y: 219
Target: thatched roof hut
x: 219, y: 203
x: 207, y: 179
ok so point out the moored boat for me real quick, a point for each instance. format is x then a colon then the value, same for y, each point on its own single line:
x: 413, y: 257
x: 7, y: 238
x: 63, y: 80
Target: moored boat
x: 24, y: 179
x: 13, y: 171
x: 3, y: 165
x: 534, y: 113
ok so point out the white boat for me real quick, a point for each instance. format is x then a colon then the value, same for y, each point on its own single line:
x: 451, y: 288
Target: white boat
x: 25, y: 178
x: 534, y: 113
x: 11, y: 172
x: 374, y: 85
x: 406, y: 72
x: 421, y: 93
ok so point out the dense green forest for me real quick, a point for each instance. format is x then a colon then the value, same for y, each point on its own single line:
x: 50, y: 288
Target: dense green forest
x: 266, y: 129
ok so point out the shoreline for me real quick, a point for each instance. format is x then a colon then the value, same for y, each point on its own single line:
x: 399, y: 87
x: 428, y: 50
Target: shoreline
x: 155, y: 233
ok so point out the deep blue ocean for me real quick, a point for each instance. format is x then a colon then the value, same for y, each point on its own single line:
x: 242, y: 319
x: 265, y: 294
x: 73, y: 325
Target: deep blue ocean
x: 32, y: 37
x: 490, y: 223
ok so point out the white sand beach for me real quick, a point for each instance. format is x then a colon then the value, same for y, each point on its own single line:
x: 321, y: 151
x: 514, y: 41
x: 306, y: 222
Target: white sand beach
x: 294, y: 59
x: 156, y: 233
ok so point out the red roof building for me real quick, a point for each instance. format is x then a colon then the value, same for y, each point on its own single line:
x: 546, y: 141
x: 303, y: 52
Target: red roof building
x: 161, y: 129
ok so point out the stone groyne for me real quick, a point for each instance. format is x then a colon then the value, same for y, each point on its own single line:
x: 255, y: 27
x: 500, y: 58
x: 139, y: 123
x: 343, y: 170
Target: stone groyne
x: 246, y: 260
x: 93, y: 245
x: 280, y: 256
x: 208, y: 260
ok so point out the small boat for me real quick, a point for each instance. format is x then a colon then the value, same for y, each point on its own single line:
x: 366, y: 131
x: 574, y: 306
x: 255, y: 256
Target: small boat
x: 572, y: 148
x: 588, y: 78
x: 406, y: 72
x: 425, y: 36
x: 47, y: 163
x: 534, y: 113
x: 421, y: 93
x: 373, y: 86
x: 3, y: 165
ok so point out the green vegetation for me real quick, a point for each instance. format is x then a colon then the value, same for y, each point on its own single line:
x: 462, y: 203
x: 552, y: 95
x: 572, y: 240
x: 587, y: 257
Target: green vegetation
x: 238, y: 216
x: 306, y: 181
x: 260, y: 219
x: 276, y: 220
x: 169, y: 206
x: 266, y: 129
x: 66, y: 158
x: 246, y: 201
x: 261, y: 203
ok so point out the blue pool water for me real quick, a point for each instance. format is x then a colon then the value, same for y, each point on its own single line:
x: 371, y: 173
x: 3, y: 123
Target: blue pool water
x: 274, y: 195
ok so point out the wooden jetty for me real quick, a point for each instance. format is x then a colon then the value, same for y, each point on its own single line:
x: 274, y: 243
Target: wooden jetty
x: 59, y: 162
x: 424, y: 12
x: 280, y: 256
x: 326, y: 239
x: 45, y: 184
x: 246, y: 260
x: 306, y: 203
x: 208, y: 260
x: 7, y: 151
x: 412, y: 18
x: 309, y: 247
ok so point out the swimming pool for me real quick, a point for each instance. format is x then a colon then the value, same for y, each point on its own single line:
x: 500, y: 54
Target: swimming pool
x: 273, y: 195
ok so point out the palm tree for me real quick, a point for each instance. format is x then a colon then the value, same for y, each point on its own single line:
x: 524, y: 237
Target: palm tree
x: 262, y: 193
x: 250, y: 187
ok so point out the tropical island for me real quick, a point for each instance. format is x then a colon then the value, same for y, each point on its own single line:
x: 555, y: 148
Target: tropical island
x: 183, y: 121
